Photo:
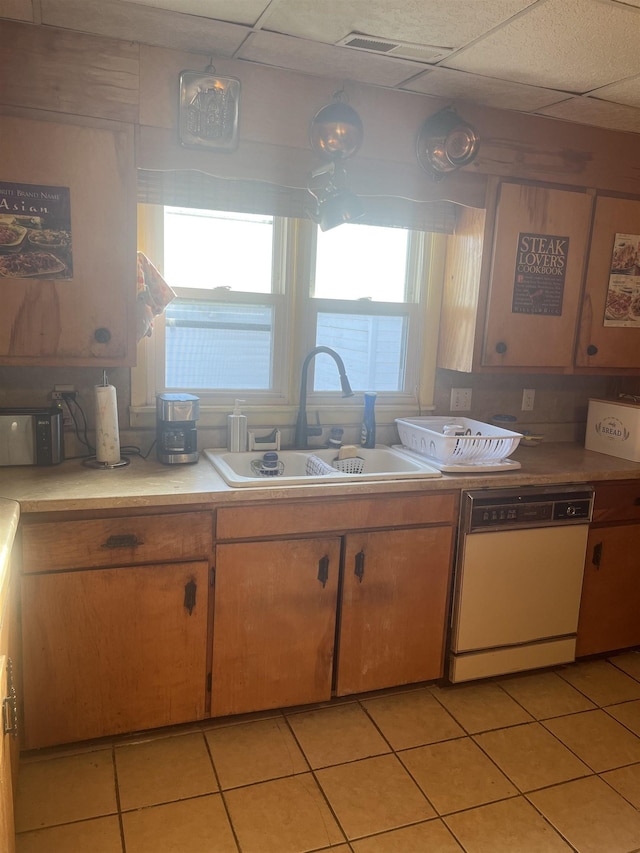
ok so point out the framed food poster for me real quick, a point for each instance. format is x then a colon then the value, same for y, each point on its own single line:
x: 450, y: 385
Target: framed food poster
x: 541, y: 266
x: 622, y: 307
x: 35, y: 231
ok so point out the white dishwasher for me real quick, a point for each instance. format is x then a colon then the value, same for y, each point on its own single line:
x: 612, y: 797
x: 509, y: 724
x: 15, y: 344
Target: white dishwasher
x: 518, y: 579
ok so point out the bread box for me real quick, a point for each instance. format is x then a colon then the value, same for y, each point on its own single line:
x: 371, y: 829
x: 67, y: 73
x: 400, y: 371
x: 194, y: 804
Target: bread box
x: 613, y: 427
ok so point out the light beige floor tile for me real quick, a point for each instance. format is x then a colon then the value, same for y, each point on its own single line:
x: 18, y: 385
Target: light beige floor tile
x: 456, y: 774
x: 545, y: 694
x: 628, y: 713
x: 373, y: 795
x: 100, y: 835
x: 531, y: 757
x: 60, y: 790
x: 480, y: 707
x: 602, y: 682
x: 187, y: 826
x: 283, y: 816
x: 335, y: 735
x: 412, y: 719
x: 626, y: 781
x: 591, y: 816
x: 597, y: 739
x: 431, y: 836
x: 163, y: 770
x: 512, y: 826
x: 629, y: 662
x: 255, y: 752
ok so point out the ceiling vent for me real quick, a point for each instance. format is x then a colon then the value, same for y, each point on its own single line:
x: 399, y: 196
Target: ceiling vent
x: 404, y: 50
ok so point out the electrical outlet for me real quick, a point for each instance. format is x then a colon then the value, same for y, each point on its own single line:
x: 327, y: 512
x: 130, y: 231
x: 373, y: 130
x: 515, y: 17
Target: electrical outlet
x: 461, y: 399
x: 58, y: 395
x: 528, y: 399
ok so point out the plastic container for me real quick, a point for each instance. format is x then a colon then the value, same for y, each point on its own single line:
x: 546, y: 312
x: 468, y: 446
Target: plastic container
x: 237, y: 430
x: 368, y: 434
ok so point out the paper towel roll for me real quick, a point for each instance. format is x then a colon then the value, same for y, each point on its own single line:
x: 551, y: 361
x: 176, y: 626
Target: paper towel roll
x: 107, y: 436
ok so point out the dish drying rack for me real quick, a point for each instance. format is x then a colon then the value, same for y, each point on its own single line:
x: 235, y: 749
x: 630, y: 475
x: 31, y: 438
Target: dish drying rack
x: 459, y: 445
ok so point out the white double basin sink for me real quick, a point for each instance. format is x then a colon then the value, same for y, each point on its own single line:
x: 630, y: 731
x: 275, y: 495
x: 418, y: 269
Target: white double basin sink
x: 380, y: 463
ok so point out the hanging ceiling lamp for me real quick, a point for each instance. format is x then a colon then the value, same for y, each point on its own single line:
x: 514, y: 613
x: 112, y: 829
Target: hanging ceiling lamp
x: 336, y: 134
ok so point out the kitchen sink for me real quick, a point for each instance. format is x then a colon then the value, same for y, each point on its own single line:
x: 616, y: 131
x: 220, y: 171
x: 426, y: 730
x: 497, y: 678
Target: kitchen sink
x: 301, y: 467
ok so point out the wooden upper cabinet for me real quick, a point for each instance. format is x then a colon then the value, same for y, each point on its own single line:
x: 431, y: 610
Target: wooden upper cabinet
x: 600, y: 345
x: 89, y: 319
x: 531, y: 319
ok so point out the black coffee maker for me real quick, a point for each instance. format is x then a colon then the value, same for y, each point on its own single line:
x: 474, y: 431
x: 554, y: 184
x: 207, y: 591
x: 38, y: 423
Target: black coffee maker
x: 176, y: 434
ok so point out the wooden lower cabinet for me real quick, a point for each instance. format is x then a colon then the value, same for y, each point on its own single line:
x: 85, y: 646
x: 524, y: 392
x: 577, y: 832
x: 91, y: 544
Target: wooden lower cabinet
x: 113, y: 650
x: 274, y: 623
x: 393, y: 608
x: 610, y: 605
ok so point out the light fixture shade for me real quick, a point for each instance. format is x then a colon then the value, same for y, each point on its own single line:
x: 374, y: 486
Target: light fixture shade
x: 336, y: 131
x: 445, y: 143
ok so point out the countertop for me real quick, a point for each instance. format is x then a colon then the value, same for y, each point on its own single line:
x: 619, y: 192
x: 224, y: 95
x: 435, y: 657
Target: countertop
x: 72, y: 486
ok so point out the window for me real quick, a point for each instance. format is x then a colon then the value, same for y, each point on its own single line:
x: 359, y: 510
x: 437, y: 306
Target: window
x: 256, y: 293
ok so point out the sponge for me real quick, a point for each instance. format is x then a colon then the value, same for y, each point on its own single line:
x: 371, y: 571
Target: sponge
x: 348, y: 451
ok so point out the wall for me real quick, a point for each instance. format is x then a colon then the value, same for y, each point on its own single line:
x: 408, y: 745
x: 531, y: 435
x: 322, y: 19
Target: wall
x: 48, y: 71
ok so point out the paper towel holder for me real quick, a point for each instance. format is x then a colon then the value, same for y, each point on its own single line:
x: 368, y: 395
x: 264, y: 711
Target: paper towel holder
x: 93, y: 461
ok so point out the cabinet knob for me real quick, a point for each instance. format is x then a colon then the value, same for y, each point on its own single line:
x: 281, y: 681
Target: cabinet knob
x: 596, y: 558
x: 323, y: 570
x: 501, y: 347
x: 102, y: 335
x: 592, y: 349
x: 359, y: 569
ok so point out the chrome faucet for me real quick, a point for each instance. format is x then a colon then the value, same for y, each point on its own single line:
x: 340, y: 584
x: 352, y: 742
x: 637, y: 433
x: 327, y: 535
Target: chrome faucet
x: 302, y: 430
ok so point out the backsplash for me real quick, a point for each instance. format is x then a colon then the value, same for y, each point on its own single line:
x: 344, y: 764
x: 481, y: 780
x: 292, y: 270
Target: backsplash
x: 560, y: 409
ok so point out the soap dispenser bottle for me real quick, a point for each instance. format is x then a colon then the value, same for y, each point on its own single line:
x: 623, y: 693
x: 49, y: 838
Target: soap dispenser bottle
x: 237, y: 429
x: 368, y: 434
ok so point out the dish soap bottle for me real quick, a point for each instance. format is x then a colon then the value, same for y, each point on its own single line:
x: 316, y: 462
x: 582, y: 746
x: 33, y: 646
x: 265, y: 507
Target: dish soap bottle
x: 237, y: 430
x: 368, y: 434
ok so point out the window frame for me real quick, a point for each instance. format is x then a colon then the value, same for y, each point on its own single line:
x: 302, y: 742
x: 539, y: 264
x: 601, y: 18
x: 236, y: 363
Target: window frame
x: 294, y: 333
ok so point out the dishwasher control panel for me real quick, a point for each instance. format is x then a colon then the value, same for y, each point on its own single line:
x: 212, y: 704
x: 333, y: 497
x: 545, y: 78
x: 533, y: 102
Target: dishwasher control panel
x: 536, y: 507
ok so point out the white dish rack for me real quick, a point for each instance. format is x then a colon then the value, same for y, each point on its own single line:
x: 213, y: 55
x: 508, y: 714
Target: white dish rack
x: 475, y: 446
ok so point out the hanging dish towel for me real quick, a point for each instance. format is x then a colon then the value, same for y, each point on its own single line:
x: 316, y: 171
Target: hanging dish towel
x: 153, y: 296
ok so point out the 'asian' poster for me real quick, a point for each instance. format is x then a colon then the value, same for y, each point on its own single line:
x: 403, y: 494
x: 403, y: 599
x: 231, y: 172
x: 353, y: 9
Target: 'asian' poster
x: 35, y: 231
x: 623, y: 295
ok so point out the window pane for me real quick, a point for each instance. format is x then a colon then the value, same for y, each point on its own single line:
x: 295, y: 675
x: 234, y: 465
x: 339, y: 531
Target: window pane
x: 207, y: 249
x: 360, y: 262
x: 373, y: 349
x: 218, y: 345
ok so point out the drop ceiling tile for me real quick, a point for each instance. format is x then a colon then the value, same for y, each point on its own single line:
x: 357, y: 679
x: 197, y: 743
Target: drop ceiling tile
x: 571, y: 45
x: 247, y: 12
x: 500, y: 94
x: 131, y: 22
x: 438, y: 22
x: 326, y: 60
x: 625, y: 92
x: 17, y: 10
x: 595, y: 113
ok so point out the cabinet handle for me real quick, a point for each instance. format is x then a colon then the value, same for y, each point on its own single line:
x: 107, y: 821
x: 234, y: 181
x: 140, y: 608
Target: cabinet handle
x: 10, y: 705
x: 636, y: 501
x: 501, y: 347
x: 127, y: 540
x: 592, y: 349
x: 190, y: 590
x: 359, y: 569
x: 323, y: 570
x: 596, y: 557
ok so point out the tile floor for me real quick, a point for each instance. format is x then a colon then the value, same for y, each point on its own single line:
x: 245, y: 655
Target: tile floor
x: 537, y: 763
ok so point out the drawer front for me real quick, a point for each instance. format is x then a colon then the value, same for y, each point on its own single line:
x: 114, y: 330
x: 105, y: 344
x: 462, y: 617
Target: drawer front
x: 286, y: 519
x: 617, y: 501
x: 51, y: 546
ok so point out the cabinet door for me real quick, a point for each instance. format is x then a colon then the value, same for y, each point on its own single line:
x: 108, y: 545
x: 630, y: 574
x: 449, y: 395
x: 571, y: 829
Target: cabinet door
x: 394, y: 608
x: 113, y: 650
x: 274, y: 624
x: 600, y: 345
x: 532, y: 323
x: 89, y: 319
x: 610, y: 602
